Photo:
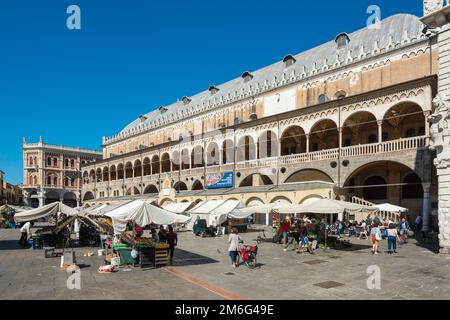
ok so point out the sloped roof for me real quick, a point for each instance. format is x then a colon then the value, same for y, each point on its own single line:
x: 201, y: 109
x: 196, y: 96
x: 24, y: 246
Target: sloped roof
x: 392, y: 30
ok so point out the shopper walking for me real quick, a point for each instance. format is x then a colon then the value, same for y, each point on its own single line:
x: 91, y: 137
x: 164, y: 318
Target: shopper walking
x: 284, y: 232
x: 172, y: 241
x: 363, y: 231
x: 392, y: 236
x: 404, y: 228
x: 375, y: 236
x: 233, y: 249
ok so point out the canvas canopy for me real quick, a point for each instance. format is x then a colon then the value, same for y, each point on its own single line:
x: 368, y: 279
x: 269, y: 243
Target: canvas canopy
x: 45, y: 211
x: 177, y: 207
x: 387, y: 207
x: 218, y: 211
x: 319, y: 206
x: 142, y: 214
x: 103, y: 209
x: 278, y: 206
x: 15, y: 208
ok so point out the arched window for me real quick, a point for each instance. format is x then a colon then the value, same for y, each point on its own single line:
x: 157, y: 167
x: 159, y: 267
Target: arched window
x: 49, y: 161
x: 66, y: 163
x: 35, y: 180
x: 72, y: 163
x: 55, y: 162
x: 342, y: 40
x: 55, y: 181
x: 49, y: 180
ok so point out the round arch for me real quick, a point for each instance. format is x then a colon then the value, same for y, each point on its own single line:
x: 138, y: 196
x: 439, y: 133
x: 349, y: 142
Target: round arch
x: 248, y: 181
x: 147, y: 166
x: 293, y: 141
x: 165, y: 163
x: 246, y: 149
x: 403, y: 120
x: 151, y: 189
x: 281, y: 199
x: 360, y: 128
x: 267, y: 145
x: 311, y: 198
x: 99, y: 175
x: 212, y: 154
x: 120, y: 171
x: 197, y: 185
x: 197, y: 157
x: 185, y: 159
x: 307, y: 175
x: 137, y: 168
x: 70, y: 199
x: 324, y: 135
x: 176, y: 160
x: 155, y: 164
x: 113, y: 173
x: 227, y: 151
x: 128, y: 170
x: 387, y: 181
x: 105, y: 174
x: 51, y: 197
x: 180, y: 186
x: 88, y: 196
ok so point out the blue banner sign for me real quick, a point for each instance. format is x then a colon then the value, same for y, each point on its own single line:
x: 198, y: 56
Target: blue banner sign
x: 220, y: 180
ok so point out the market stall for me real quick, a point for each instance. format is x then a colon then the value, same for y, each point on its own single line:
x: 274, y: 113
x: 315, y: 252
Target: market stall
x: 218, y: 213
x: 131, y: 248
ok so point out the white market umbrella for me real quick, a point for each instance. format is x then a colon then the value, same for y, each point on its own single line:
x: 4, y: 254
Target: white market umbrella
x: 387, y: 207
x: 143, y: 214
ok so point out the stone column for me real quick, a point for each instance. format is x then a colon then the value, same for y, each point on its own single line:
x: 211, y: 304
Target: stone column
x: 26, y: 198
x: 427, y: 128
x: 439, y: 23
x: 307, y: 143
x: 41, y: 197
x: 380, y: 131
x: 267, y: 219
x: 426, y: 207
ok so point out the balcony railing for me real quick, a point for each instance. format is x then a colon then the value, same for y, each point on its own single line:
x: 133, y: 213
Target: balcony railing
x: 405, y: 144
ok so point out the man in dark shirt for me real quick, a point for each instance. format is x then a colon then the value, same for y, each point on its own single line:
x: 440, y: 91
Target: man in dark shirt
x: 172, y: 241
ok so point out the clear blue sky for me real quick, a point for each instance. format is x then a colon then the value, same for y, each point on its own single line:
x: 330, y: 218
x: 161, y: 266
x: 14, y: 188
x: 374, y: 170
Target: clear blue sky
x: 73, y: 87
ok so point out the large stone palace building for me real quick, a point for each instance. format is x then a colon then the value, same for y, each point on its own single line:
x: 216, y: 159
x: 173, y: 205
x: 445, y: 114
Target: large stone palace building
x: 52, y: 173
x: 348, y: 119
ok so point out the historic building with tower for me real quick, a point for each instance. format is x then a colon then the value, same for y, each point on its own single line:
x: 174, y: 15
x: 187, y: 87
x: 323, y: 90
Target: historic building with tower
x: 52, y: 173
x: 348, y: 119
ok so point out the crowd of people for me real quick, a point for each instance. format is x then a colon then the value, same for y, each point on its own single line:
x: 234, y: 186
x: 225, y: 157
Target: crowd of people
x: 376, y: 230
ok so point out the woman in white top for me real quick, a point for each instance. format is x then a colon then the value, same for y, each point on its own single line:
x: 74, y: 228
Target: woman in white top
x: 233, y: 249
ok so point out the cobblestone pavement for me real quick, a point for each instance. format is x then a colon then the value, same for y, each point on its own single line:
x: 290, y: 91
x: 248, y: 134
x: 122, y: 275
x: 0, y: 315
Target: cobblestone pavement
x: 202, y: 271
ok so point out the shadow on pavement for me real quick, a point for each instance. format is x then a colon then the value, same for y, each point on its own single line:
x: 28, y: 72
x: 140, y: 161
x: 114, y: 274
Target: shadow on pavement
x: 354, y: 247
x: 186, y: 258
x: 11, y: 245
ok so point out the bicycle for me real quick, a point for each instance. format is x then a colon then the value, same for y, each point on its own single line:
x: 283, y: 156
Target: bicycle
x: 248, y: 255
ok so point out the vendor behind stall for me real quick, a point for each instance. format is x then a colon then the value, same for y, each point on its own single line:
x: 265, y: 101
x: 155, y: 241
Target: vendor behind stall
x: 26, y: 232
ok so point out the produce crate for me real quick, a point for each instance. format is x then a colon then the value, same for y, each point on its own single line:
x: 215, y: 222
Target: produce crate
x: 125, y: 256
x: 161, y: 255
x: 146, y: 257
